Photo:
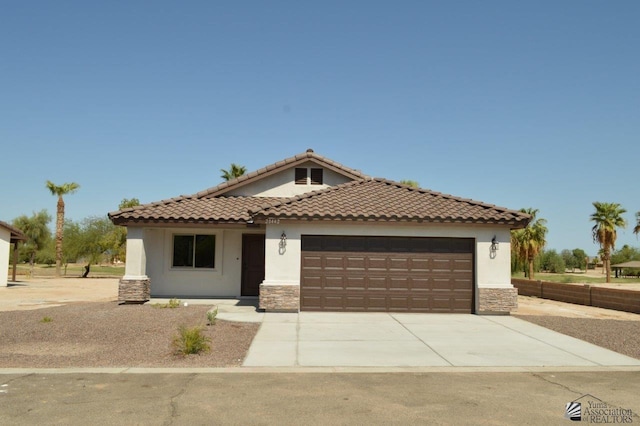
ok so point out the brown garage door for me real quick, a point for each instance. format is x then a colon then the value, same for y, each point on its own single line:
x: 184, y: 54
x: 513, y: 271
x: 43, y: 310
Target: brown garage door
x: 387, y: 274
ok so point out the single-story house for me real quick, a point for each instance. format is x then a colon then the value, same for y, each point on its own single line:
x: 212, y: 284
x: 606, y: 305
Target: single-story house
x: 8, y: 235
x: 310, y: 234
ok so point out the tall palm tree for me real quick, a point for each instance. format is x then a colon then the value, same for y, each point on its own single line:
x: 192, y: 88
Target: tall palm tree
x: 607, y: 217
x: 233, y: 172
x: 636, y: 230
x: 528, y: 242
x: 60, y: 190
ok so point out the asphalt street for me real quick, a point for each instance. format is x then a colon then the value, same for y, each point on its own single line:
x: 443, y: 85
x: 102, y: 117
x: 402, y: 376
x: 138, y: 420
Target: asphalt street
x: 231, y: 397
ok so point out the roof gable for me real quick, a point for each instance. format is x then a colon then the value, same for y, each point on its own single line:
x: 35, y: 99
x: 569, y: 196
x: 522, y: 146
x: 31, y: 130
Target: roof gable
x: 287, y: 163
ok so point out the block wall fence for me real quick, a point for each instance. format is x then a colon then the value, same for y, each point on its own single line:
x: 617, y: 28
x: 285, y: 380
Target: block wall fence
x: 581, y: 294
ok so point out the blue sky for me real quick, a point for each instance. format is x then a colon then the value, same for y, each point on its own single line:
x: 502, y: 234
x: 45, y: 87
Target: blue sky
x: 519, y: 104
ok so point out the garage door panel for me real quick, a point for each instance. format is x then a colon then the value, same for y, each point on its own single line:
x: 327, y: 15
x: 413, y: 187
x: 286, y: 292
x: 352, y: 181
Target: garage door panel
x: 402, y: 263
x: 311, y: 262
x: 377, y: 303
x: 333, y: 283
x: 377, y: 263
x: 387, y: 274
x: 355, y: 283
x: 311, y: 302
x: 332, y: 302
x: 355, y: 303
x: 399, y: 283
x: 356, y: 263
x: 377, y: 283
x: 313, y: 282
x: 334, y: 262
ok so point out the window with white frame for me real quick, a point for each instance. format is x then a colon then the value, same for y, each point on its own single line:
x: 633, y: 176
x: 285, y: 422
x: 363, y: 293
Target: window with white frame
x: 194, y: 251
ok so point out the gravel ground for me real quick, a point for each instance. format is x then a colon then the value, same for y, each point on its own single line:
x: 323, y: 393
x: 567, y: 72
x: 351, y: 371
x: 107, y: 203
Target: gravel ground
x: 105, y: 334
x: 617, y: 335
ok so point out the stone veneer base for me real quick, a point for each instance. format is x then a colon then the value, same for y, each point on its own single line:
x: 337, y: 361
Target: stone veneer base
x: 497, y: 301
x: 134, y: 291
x: 280, y: 298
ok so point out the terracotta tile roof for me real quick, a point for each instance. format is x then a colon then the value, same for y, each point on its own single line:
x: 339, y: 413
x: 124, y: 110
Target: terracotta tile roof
x: 364, y: 198
x: 383, y: 200
x: 309, y: 155
x: 16, y: 234
x: 193, y: 210
x: 196, y: 209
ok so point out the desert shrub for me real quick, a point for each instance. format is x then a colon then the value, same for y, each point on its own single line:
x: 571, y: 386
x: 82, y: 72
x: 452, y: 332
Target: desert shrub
x: 191, y: 340
x: 173, y: 303
x: 46, y: 319
x: 211, y: 316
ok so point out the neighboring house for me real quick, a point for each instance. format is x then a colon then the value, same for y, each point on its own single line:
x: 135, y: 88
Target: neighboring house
x: 8, y: 235
x: 310, y: 234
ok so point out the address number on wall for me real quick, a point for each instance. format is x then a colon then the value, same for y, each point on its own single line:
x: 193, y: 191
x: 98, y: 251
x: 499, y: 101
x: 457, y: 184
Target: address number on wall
x: 273, y: 221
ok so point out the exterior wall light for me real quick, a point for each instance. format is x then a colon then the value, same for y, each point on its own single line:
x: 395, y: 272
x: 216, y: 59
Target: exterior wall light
x: 494, y: 243
x: 493, y: 250
x: 283, y: 243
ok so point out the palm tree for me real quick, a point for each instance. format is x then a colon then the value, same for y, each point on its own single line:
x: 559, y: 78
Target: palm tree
x: 233, y: 172
x: 607, y: 217
x: 60, y: 190
x: 636, y: 230
x: 528, y: 242
x: 411, y: 183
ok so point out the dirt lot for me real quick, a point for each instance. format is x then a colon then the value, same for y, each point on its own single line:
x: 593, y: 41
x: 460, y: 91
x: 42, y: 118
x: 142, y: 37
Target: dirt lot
x: 89, y: 329
x: 40, y: 293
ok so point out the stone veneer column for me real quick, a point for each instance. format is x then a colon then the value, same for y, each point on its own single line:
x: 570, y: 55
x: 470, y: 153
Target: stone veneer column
x: 135, y: 286
x: 280, y: 298
x: 500, y: 301
x: 134, y: 291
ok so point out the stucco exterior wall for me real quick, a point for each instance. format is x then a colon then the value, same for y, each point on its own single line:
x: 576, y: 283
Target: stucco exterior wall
x: 282, y: 184
x: 222, y: 281
x: 5, y: 254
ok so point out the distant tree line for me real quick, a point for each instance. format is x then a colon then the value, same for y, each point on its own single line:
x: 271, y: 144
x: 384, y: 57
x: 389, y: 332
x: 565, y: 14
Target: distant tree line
x: 528, y: 253
x: 91, y: 241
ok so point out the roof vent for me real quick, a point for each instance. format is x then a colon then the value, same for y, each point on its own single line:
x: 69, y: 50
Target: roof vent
x: 309, y: 150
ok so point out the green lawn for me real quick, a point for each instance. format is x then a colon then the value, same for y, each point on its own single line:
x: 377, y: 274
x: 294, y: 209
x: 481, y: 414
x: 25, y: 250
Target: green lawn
x: 577, y: 278
x: 72, y: 270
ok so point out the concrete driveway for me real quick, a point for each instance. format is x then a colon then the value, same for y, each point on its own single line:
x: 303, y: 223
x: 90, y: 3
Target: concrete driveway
x: 417, y: 340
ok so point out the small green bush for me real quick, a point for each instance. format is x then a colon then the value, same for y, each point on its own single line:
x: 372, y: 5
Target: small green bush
x: 191, y: 340
x: 211, y: 316
x: 46, y: 319
x: 173, y: 303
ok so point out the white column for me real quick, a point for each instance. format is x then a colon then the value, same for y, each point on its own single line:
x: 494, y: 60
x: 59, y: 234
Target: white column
x: 494, y: 266
x: 282, y: 258
x: 5, y: 251
x: 136, y: 266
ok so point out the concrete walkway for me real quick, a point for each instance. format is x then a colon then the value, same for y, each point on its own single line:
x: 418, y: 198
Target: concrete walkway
x: 312, y: 339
